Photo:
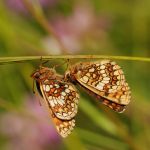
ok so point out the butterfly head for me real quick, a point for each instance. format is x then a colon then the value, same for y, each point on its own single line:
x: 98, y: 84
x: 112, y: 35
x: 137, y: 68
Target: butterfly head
x: 43, y: 73
x: 72, y: 72
x: 70, y: 76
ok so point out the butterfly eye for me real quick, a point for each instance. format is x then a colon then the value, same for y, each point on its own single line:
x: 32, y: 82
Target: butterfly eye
x: 37, y: 75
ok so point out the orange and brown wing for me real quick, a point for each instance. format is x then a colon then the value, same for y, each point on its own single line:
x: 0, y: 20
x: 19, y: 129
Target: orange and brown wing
x: 64, y: 127
x: 106, y: 79
x: 62, y: 100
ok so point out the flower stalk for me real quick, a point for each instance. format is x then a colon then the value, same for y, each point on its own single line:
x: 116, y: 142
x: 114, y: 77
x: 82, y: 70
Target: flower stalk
x: 31, y: 58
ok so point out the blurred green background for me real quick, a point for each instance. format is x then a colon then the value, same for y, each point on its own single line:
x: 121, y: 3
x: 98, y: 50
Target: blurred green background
x: 44, y: 27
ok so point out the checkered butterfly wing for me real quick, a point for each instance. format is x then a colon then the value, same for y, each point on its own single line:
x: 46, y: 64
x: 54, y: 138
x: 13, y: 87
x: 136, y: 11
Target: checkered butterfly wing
x: 106, y: 81
x: 61, y: 98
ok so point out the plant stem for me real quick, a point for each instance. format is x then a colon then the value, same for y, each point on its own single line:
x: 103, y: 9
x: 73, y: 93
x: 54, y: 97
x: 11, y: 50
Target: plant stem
x: 37, y: 12
x: 29, y: 58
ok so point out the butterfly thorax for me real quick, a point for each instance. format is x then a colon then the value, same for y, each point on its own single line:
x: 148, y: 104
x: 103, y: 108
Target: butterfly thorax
x: 43, y: 74
x: 70, y: 75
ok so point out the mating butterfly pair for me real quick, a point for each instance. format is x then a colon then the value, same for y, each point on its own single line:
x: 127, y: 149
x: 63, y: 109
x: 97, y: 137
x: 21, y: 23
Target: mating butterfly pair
x: 104, y: 80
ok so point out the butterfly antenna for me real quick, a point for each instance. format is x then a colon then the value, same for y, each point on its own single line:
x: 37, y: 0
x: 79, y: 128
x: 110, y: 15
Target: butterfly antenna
x: 68, y: 64
x: 42, y: 62
x: 58, y: 65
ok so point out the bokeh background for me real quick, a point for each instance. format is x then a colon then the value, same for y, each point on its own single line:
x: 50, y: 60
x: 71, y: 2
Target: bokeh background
x: 48, y: 27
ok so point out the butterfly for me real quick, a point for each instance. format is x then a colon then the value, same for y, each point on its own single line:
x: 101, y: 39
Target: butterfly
x: 104, y: 80
x: 60, y: 97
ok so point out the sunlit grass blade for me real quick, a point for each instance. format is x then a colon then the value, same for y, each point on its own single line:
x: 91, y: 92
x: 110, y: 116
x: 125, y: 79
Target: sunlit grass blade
x: 96, y: 116
x: 73, y: 142
x: 101, y: 140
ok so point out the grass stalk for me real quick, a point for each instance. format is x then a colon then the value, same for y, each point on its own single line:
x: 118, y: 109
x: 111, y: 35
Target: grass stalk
x: 37, y: 12
x: 31, y: 58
